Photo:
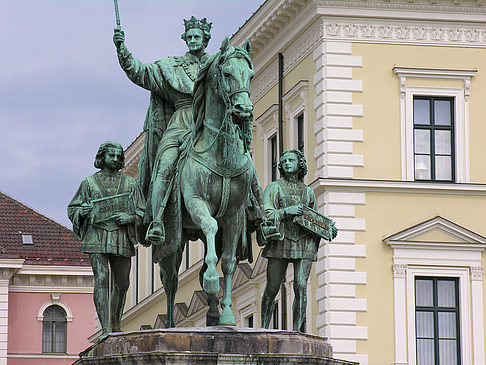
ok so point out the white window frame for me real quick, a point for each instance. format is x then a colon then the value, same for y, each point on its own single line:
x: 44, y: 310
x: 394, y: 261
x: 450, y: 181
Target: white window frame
x: 55, y: 300
x: 461, y: 116
x: 268, y: 129
x: 462, y: 274
x: 435, y: 259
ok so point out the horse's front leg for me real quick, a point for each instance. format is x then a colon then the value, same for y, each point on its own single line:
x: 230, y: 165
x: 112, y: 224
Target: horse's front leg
x: 231, y: 236
x: 199, y: 211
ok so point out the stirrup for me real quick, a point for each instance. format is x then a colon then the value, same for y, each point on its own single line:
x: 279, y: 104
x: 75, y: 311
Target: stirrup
x: 155, y: 233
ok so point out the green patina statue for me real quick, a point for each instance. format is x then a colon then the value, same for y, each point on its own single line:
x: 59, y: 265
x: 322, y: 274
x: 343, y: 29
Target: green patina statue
x: 171, y: 82
x: 286, y: 202
x: 106, y: 212
x: 195, y: 170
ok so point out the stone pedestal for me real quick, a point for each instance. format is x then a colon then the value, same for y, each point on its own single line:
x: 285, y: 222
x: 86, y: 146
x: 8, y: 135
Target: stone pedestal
x: 210, y: 345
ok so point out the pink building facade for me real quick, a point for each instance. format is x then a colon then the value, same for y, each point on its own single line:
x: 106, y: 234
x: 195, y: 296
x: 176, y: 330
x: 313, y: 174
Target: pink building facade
x: 46, y: 289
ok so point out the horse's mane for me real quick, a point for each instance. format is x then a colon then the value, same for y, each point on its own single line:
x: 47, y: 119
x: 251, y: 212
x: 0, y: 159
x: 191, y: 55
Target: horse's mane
x: 199, y: 101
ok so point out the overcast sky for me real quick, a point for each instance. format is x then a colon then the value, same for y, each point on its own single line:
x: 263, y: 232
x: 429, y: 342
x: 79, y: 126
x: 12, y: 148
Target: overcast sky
x: 62, y: 92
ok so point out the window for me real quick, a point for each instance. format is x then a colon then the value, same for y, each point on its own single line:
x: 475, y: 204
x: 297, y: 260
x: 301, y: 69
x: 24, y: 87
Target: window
x: 274, y: 323
x: 136, y: 276
x: 27, y: 239
x: 187, y: 254
x: 152, y: 277
x: 433, y: 119
x: 274, y: 156
x: 438, y: 294
x: 437, y: 321
x: 54, y: 330
x: 435, y: 100
x: 249, y: 321
x: 300, y: 132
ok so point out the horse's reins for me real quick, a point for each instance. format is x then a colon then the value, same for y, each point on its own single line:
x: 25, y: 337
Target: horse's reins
x: 226, y: 96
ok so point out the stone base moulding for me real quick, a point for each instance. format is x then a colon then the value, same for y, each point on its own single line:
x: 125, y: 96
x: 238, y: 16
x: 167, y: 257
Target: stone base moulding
x: 210, y: 345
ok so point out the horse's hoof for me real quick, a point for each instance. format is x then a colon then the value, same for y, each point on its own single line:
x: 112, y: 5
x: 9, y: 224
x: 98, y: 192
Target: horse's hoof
x: 227, y: 318
x: 211, y: 284
x: 212, y: 319
x: 104, y: 335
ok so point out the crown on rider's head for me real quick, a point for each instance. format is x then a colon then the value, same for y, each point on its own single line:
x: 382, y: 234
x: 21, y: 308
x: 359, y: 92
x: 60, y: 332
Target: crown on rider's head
x: 201, y: 24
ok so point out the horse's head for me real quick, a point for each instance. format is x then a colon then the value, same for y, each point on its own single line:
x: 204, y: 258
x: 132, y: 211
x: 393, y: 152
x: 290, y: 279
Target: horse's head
x: 235, y: 72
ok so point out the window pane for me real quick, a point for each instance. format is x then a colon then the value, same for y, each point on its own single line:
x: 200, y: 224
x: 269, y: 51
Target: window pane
x: 422, y: 141
x: 442, y: 111
x: 447, y: 325
x: 47, y: 337
x: 425, y: 352
x: 447, y: 352
x: 424, y: 296
x: 60, y: 336
x: 421, y: 111
x: 422, y: 167
x: 425, y: 324
x: 54, y: 312
x: 443, y: 142
x: 443, y: 168
x: 446, y: 293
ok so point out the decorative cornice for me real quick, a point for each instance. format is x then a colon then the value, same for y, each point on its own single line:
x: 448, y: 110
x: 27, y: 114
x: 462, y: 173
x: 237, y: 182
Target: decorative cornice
x: 274, y: 17
x: 50, y: 282
x: 454, y: 6
x: 300, y: 48
x: 132, y: 155
x: 400, y: 33
x: 477, y: 273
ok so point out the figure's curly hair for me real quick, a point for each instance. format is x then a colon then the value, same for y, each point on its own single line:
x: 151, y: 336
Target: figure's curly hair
x: 100, y: 155
x: 301, y: 160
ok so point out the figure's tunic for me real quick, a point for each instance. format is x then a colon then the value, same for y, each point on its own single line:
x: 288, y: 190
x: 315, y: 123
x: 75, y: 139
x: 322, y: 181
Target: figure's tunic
x: 296, y: 242
x: 106, y: 237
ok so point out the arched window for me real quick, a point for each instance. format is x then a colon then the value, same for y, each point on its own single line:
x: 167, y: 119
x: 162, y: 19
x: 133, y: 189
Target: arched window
x: 54, y: 329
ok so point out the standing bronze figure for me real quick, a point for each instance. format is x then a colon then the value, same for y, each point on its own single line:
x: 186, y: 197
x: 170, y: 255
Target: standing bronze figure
x: 106, y: 212
x: 284, y: 201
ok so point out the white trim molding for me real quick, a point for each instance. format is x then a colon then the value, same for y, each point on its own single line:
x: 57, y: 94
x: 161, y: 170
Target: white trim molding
x: 55, y: 300
x: 461, y: 115
x: 297, y: 93
x: 459, y: 258
x: 267, y: 123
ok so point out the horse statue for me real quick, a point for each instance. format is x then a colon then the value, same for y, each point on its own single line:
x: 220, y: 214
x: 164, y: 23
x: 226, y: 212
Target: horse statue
x: 215, y: 178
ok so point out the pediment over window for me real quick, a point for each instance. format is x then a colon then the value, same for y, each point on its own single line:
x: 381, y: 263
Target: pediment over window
x: 199, y: 301
x: 180, y: 312
x: 242, y: 274
x: 436, y: 231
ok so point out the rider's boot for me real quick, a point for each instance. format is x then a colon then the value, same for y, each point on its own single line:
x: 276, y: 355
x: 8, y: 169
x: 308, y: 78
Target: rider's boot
x: 156, y: 231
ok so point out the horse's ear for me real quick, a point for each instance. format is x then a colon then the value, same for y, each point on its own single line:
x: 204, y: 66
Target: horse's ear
x: 224, y: 45
x: 247, y: 46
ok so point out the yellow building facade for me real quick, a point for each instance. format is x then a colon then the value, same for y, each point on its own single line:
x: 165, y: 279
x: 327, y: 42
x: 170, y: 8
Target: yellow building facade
x: 386, y: 100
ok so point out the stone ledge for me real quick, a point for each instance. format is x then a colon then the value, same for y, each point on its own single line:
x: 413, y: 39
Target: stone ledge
x: 210, y: 345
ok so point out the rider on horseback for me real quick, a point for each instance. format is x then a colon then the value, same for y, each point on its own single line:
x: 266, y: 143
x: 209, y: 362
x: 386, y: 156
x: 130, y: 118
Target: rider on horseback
x: 171, y: 82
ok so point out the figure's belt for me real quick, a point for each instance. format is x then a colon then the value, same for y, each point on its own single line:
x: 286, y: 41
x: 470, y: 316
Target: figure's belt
x: 183, y: 103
